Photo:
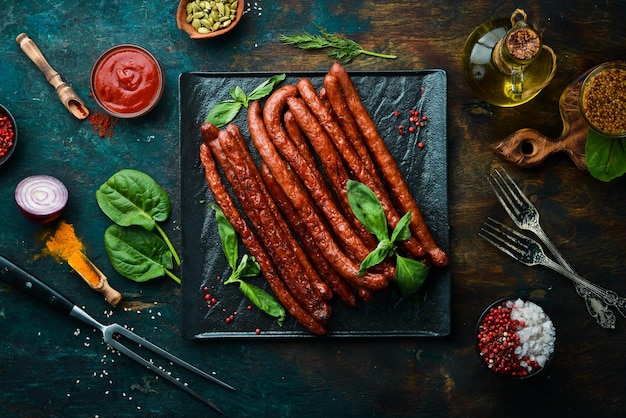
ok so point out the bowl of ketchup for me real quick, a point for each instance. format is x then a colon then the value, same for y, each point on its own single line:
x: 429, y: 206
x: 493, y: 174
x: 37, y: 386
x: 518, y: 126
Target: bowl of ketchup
x: 127, y: 81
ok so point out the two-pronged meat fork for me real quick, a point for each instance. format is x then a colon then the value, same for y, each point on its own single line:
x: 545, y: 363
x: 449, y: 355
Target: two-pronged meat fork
x: 112, y: 334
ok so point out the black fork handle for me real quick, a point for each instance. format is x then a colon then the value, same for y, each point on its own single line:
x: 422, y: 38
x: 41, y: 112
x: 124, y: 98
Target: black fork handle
x: 19, y: 278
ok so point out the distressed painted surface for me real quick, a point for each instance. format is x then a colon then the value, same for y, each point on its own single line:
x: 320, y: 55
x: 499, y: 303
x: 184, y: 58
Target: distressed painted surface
x: 52, y: 366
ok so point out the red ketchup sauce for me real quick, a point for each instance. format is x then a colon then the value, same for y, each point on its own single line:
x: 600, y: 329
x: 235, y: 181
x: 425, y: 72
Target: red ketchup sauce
x: 127, y: 81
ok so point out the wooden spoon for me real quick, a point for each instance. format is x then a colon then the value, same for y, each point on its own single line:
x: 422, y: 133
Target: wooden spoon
x: 68, y: 96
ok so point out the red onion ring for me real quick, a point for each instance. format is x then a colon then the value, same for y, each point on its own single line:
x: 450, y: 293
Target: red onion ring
x: 41, y: 198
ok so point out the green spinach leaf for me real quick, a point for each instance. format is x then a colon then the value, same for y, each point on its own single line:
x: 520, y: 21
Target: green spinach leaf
x: 605, y: 157
x: 131, y: 197
x: 138, y: 254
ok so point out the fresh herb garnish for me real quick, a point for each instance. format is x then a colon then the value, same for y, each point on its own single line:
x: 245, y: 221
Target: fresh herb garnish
x: 138, y: 254
x: 225, y: 111
x: 410, y: 274
x: 337, y: 46
x: 605, y: 157
x: 247, y: 267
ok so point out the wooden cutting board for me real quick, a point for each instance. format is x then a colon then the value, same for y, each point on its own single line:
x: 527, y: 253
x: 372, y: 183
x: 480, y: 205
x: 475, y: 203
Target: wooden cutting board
x: 528, y: 147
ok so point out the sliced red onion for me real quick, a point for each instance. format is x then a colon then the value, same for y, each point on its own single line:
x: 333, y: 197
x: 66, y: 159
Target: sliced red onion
x: 41, y: 198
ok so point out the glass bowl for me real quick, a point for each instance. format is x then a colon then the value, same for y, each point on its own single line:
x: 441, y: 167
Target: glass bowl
x: 602, y: 99
x: 8, y: 134
x: 515, y: 338
x: 127, y: 81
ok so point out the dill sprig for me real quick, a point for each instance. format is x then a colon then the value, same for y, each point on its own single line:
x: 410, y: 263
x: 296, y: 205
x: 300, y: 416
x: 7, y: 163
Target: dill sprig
x: 337, y: 46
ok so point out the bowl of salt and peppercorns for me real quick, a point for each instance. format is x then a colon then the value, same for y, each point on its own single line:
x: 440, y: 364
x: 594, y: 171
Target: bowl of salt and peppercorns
x: 515, y: 338
x: 8, y: 134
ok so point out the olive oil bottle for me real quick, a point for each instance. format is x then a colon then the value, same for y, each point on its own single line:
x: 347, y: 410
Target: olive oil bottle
x: 505, y: 61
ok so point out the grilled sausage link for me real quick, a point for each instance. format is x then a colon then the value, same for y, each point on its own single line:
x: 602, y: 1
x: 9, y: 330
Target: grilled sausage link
x: 251, y: 242
x: 325, y: 240
x: 353, y: 150
x: 340, y: 287
x: 279, y: 242
x: 387, y: 165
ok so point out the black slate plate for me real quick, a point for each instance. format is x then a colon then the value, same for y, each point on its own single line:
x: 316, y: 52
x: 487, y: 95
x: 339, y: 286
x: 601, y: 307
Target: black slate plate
x: 426, y: 172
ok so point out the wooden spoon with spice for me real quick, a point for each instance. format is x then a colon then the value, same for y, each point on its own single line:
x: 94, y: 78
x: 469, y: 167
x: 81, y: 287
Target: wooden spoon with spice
x: 65, y: 245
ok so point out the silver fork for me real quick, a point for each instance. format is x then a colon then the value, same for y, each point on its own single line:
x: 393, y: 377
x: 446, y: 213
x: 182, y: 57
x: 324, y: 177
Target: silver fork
x: 526, y: 216
x: 528, y: 251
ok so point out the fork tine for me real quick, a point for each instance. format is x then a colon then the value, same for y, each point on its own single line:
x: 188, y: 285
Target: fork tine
x: 158, y: 350
x: 160, y: 372
x: 507, y: 192
x: 110, y: 330
x: 504, y: 238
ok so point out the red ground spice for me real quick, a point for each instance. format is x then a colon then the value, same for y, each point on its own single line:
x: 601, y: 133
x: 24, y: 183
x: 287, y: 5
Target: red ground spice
x: 103, y: 124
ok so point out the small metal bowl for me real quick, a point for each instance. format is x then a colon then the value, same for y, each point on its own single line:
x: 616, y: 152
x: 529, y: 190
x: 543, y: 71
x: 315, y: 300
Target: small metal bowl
x: 484, y: 353
x: 4, y: 112
x: 181, y: 20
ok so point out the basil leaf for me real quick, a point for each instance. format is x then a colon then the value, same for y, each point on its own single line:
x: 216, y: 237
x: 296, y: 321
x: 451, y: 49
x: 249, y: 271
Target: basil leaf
x: 375, y: 257
x: 410, y: 275
x: 131, y: 197
x: 248, y: 267
x: 137, y: 254
x: 266, y: 87
x: 367, y: 209
x: 238, y: 94
x: 223, y: 112
x: 227, y: 233
x: 402, y: 232
x: 605, y: 157
x: 263, y: 300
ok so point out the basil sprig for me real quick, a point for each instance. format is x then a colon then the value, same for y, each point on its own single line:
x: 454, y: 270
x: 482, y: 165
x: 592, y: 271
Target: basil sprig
x: 247, y: 267
x: 225, y: 111
x: 410, y: 274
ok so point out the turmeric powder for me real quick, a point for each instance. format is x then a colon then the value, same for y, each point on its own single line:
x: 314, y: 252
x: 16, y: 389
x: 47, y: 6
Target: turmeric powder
x: 64, y: 242
x: 64, y: 245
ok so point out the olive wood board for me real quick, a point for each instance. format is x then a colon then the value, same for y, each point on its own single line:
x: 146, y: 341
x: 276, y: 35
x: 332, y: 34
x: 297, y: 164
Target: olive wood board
x: 425, y: 169
x: 528, y: 147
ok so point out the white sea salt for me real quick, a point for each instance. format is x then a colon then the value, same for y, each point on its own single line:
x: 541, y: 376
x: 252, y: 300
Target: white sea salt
x: 537, y: 336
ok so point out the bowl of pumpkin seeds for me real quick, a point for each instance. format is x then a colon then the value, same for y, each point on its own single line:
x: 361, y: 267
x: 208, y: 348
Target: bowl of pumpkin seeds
x: 208, y: 18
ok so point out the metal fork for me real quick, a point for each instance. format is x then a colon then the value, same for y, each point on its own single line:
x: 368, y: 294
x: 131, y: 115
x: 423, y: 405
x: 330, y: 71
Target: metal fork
x: 529, y: 252
x: 111, y: 334
x: 526, y: 216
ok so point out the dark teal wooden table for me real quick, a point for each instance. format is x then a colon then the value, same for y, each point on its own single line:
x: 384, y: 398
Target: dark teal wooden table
x: 52, y: 366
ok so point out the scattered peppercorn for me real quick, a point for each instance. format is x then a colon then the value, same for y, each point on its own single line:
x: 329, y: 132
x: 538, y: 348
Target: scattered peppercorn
x: 500, y: 341
x: 7, y: 135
